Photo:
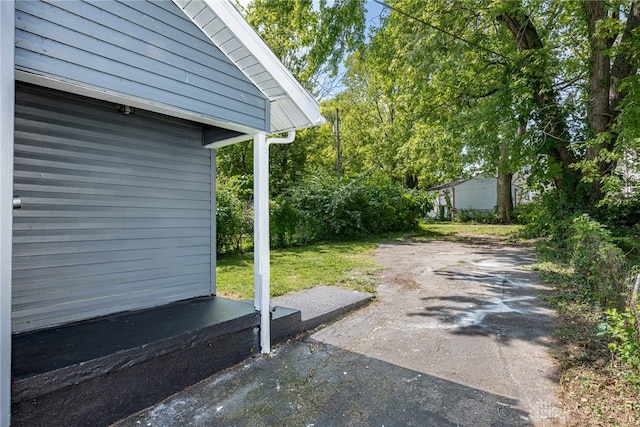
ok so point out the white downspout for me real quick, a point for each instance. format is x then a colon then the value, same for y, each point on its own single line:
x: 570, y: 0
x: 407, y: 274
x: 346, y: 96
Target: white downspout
x: 7, y: 111
x: 261, y: 232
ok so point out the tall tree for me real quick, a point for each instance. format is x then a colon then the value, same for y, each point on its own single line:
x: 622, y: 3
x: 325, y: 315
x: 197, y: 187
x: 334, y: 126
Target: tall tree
x: 311, y: 38
x: 606, y: 68
x: 559, y: 67
x: 613, y: 35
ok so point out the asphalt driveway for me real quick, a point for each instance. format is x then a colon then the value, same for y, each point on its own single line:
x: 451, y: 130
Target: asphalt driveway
x: 458, y: 336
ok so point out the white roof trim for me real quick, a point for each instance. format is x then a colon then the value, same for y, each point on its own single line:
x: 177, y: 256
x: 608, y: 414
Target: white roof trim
x: 229, y: 141
x: 292, y: 107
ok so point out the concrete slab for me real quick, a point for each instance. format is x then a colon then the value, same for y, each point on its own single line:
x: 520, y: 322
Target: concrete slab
x: 310, y: 383
x: 285, y: 323
x: 322, y: 303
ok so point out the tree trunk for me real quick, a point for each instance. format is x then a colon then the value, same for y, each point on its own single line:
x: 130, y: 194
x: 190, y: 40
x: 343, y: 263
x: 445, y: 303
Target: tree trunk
x: 599, y: 114
x: 604, y: 93
x: 505, y: 201
x: 557, y: 143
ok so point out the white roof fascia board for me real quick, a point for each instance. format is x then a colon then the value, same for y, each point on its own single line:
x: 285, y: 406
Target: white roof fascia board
x: 117, y: 98
x: 231, y: 22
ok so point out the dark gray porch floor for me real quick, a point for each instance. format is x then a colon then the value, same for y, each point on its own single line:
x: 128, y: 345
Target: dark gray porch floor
x: 50, y: 359
x: 98, y: 371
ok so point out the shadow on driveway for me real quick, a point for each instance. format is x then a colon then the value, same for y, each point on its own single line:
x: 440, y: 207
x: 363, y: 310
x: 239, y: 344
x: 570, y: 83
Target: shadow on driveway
x: 308, y: 383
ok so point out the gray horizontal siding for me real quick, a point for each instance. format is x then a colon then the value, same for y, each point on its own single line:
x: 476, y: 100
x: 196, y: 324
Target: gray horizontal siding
x: 116, y: 210
x: 147, y: 50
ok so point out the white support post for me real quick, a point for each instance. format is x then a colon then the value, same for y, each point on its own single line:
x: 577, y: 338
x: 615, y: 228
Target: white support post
x: 7, y: 107
x: 214, y: 224
x: 262, y: 268
x: 261, y: 237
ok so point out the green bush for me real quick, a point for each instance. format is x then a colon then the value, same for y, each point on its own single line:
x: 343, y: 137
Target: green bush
x: 327, y: 208
x: 322, y: 207
x: 478, y: 216
x: 284, y: 219
x: 620, y: 325
x: 598, y: 264
x: 547, y: 216
x: 233, y: 217
x: 619, y: 212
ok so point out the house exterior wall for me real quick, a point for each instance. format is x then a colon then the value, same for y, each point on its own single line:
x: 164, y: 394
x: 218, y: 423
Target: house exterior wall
x: 141, y: 50
x: 476, y: 193
x: 116, y: 209
x: 6, y: 193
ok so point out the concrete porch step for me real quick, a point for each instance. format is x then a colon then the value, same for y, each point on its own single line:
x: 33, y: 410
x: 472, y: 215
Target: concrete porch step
x: 322, y: 304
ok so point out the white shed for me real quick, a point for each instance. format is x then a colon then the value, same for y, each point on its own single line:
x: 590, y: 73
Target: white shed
x: 477, y: 193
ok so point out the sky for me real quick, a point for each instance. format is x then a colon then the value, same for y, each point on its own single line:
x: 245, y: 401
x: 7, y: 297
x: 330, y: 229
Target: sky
x: 373, y: 10
x: 372, y: 19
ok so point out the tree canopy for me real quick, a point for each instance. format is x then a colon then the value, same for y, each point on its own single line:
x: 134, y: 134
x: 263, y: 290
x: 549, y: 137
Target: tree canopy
x: 441, y: 88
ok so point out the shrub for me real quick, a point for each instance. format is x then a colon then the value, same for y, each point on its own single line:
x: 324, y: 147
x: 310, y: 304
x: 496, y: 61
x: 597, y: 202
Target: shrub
x: 283, y: 222
x: 547, y: 216
x: 479, y: 216
x: 233, y: 217
x: 621, y: 326
x: 599, y: 265
x: 322, y: 207
x: 624, y: 325
x: 619, y: 212
x: 331, y: 208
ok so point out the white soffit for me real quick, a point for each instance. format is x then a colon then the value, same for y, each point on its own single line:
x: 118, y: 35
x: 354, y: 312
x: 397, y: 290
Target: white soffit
x: 292, y: 107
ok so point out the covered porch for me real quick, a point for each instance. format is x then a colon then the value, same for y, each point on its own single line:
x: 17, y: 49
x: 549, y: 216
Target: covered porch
x: 100, y: 371
x: 111, y: 83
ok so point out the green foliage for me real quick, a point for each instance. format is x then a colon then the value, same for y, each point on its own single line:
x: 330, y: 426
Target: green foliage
x: 321, y: 208
x: 599, y: 265
x: 619, y: 211
x: 288, y: 163
x: 233, y: 217
x: 620, y: 326
x: 284, y: 220
x: 546, y: 216
x: 478, y: 216
x: 309, y: 37
x: 332, y: 208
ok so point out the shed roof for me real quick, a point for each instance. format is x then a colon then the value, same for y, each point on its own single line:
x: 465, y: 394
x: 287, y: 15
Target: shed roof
x: 292, y: 107
x: 448, y: 184
x: 463, y: 180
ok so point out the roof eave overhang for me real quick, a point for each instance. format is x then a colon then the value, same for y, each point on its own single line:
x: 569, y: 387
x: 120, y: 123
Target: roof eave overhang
x: 145, y: 104
x: 292, y: 107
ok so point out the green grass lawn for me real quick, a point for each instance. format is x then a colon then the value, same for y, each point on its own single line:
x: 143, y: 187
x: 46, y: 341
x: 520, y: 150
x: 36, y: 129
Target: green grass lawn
x: 449, y: 230
x: 345, y: 264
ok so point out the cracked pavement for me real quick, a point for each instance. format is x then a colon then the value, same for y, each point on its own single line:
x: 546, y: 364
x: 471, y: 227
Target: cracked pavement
x: 458, y: 336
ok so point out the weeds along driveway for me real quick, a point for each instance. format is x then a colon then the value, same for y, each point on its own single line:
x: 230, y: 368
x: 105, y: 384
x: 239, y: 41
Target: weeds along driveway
x: 457, y: 337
